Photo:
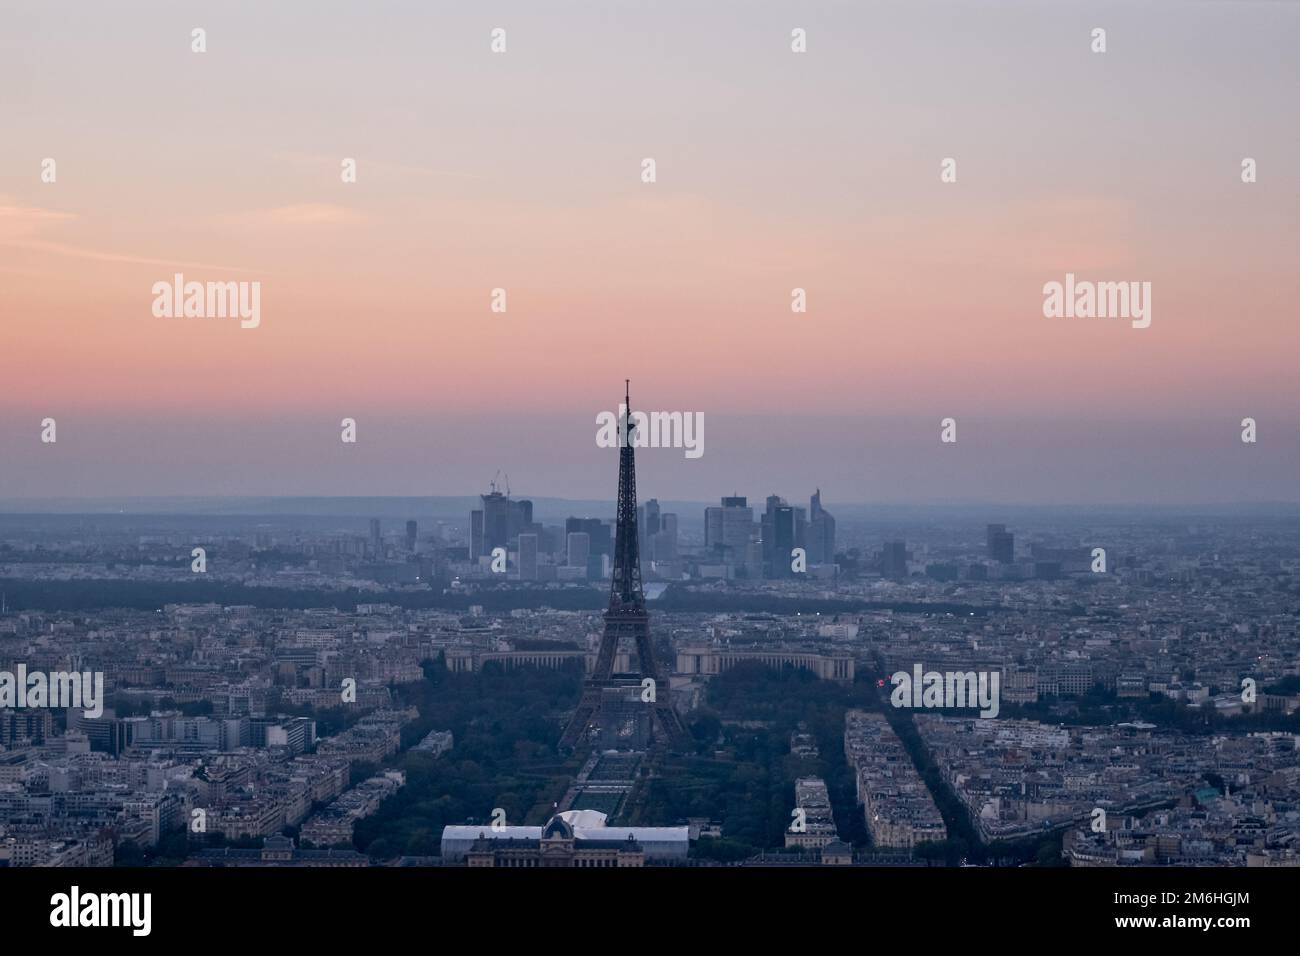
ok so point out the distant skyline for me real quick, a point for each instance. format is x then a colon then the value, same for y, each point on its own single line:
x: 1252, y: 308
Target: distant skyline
x: 774, y: 171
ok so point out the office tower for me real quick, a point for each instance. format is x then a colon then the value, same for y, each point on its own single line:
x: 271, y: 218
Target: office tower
x: 665, y: 543
x: 375, y: 540
x: 893, y: 560
x: 767, y: 527
x: 533, y: 527
x: 552, y: 539
x: 781, y: 526
x: 496, y: 521
x: 728, y: 530
x: 412, y: 532
x: 598, y: 531
x: 1001, y: 543
x: 521, y: 518
x: 476, y: 530
x: 712, y: 529
x: 598, y: 542
x: 737, y: 530
x: 626, y: 618
x: 504, y: 519
x: 647, y: 528
x: 579, y: 550
x: 528, y: 557
x: 821, y: 532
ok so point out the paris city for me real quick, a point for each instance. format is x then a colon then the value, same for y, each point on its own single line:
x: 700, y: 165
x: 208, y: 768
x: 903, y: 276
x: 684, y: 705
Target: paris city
x: 357, y: 534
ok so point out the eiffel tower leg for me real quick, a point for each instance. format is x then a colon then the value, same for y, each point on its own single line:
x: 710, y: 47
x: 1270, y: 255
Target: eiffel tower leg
x: 581, y: 719
x: 669, y: 724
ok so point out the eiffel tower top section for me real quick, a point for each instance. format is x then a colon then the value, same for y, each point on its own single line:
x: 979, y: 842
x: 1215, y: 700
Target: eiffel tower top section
x: 625, y: 592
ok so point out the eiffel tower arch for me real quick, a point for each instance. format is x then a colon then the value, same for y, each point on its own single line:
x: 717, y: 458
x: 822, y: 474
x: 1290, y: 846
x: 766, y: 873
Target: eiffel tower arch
x: 606, y: 696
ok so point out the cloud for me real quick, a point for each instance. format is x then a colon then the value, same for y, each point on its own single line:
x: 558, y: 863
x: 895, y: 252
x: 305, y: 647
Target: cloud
x: 17, y: 221
x: 19, y: 225
x: 63, y: 249
x: 299, y: 214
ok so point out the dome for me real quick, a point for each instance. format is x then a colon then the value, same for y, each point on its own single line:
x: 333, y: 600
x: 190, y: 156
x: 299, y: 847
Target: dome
x: 557, y: 829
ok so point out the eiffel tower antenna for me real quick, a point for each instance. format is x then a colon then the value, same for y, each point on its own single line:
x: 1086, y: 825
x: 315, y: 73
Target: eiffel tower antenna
x: 626, y: 618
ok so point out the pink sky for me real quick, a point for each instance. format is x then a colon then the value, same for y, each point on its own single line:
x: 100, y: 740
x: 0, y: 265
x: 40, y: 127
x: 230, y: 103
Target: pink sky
x: 775, y: 170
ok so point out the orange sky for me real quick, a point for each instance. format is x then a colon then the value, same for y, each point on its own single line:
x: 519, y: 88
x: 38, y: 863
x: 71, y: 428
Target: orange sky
x: 520, y: 171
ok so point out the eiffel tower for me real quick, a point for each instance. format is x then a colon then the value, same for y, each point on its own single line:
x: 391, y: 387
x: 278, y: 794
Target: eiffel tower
x: 625, y: 618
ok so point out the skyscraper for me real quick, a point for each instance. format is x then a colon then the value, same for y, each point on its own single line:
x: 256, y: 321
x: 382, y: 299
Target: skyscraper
x: 476, y: 535
x: 598, y: 531
x: 528, y: 557
x: 713, y: 529
x: 893, y: 560
x: 665, y: 543
x: 412, y: 533
x: 579, y: 549
x: 375, y: 540
x: 503, y: 520
x: 1001, y: 543
x: 729, y: 529
x: 647, y: 528
x: 496, y: 521
x: 782, y: 533
x: 821, y: 532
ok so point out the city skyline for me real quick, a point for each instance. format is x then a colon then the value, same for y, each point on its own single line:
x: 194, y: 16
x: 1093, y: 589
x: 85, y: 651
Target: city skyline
x: 999, y: 463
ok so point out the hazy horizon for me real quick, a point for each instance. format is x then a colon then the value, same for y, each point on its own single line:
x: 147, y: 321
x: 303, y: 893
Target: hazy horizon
x: 408, y: 506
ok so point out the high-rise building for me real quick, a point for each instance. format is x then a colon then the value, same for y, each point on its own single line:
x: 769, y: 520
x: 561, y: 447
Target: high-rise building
x: 412, y: 532
x: 729, y: 529
x: 476, y: 535
x: 579, y: 549
x: 503, y: 520
x: 528, y: 557
x: 376, y: 541
x: 598, y: 531
x: 713, y: 529
x: 990, y: 531
x: 496, y: 521
x: 782, y: 533
x: 1001, y: 544
x: 821, y: 532
x: 665, y: 542
x: 647, y: 520
x: 893, y: 560
x: 737, y: 530
x: 521, y: 516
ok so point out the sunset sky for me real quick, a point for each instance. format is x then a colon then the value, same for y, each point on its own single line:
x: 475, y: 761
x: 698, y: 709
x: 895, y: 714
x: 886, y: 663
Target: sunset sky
x: 775, y: 170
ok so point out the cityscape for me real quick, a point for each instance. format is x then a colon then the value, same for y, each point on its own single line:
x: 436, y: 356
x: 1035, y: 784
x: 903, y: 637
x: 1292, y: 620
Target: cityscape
x: 352, y: 693
x: 829, y: 460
